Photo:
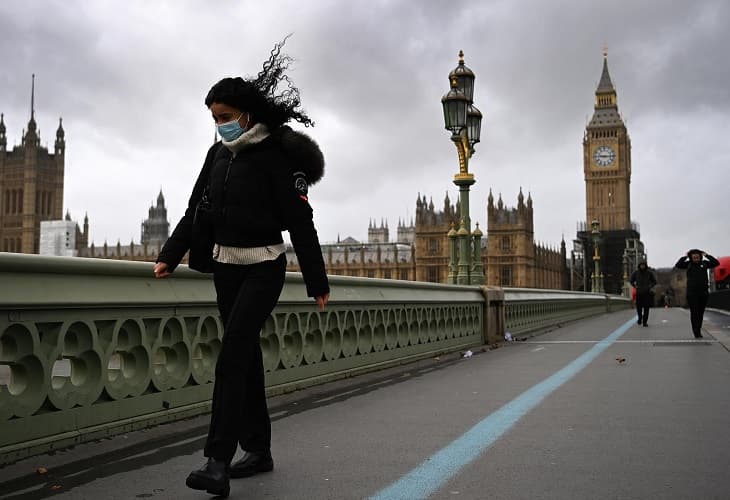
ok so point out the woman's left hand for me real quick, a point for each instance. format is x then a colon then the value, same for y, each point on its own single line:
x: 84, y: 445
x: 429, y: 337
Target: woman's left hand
x: 322, y: 301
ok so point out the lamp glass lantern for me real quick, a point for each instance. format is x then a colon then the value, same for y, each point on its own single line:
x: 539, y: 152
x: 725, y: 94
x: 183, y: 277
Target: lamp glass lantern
x: 464, y: 77
x: 473, y: 124
x: 455, y: 105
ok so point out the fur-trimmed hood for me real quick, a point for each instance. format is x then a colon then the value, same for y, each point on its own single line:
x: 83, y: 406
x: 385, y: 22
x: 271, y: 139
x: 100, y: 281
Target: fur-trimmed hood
x: 309, y: 158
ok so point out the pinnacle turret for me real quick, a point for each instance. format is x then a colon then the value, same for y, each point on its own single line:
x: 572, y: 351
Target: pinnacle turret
x: 60, y: 141
x: 606, y: 105
x: 3, y: 139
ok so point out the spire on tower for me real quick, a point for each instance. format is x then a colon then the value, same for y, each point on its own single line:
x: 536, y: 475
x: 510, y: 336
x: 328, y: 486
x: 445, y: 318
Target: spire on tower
x: 32, y: 133
x: 605, y: 84
x: 3, y: 139
x: 32, y: 98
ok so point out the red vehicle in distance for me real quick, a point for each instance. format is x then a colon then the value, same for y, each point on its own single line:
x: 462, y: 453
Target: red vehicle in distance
x: 722, y: 274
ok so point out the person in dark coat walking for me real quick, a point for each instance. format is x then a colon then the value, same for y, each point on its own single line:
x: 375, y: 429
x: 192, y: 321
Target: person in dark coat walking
x: 254, y: 184
x: 644, y: 281
x: 697, y: 263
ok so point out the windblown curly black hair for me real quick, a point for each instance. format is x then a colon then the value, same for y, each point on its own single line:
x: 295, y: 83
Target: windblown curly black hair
x: 259, y: 95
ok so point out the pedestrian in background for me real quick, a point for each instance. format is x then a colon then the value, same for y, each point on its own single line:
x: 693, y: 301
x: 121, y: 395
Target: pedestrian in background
x: 697, y: 263
x: 254, y: 184
x: 644, y: 281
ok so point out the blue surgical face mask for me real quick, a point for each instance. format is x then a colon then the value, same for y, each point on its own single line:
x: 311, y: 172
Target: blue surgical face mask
x: 232, y: 130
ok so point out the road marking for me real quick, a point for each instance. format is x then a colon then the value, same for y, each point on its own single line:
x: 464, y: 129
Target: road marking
x: 537, y: 349
x: 338, y: 395
x: 642, y: 341
x: 432, y: 473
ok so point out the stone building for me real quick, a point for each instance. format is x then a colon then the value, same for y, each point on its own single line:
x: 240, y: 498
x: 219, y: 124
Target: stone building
x: 156, y: 228
x: 672, y: 282
x: 378, y: 258
x: 513, y: 258
x: 155, y: 231
x: 421, y: 251
x: 607, y: 173
x: 133, y: 251
x: 431, y: 240
x: 31, y: 185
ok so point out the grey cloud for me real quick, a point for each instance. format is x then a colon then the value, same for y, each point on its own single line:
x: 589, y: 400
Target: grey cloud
x: 131, y: 80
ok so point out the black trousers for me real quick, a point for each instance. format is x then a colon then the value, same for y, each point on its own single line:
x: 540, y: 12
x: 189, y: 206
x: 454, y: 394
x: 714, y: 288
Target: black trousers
x: 643, y: 303
x: 697, y: 304
x: 246, y: 296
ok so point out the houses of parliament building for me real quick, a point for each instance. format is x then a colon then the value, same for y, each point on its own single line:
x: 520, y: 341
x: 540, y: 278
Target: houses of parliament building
x: 419, y: 251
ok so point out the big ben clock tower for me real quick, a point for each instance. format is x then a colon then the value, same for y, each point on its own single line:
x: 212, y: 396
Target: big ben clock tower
x: 607, y: 172
x: 607, y: 161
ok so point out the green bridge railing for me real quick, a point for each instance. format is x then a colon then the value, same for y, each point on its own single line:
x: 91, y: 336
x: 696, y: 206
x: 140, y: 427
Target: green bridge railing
x: 92, y: 348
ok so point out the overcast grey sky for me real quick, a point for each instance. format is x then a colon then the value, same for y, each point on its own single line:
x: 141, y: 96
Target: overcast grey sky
x: 129, y: 79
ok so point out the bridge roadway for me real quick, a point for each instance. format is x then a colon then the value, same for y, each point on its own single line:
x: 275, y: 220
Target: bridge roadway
x: 558, y: 416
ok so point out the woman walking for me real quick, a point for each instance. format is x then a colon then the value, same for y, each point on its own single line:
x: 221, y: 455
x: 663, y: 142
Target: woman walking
x: 254, y: 184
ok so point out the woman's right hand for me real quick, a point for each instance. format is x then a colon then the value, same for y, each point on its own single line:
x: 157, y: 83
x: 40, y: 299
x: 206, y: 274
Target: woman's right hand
x: 160, y: 270
x: 322, y: 301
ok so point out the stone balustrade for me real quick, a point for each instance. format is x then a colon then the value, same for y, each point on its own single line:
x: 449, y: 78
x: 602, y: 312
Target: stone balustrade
x: 528, y: 310
x: 91, y: 348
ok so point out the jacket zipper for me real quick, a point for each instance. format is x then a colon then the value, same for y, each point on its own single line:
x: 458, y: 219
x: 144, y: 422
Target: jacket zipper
x: 225, y: 184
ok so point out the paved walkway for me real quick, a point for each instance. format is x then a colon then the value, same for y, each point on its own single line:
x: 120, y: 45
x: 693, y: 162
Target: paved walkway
x: 601, y: 408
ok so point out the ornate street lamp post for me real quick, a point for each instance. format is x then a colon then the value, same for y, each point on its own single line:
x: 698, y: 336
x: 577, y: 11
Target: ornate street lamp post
x: 597, y: 278
x: 464, y: 121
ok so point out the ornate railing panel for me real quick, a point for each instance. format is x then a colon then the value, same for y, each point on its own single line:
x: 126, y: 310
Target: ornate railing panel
x: 528, y: 310
x: 89, y: 348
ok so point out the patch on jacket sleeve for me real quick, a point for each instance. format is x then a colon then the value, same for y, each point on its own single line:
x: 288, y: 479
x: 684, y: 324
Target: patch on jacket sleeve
x: 300, y: 184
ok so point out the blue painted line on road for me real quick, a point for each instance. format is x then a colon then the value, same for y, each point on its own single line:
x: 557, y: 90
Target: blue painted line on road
x: 436, y: 470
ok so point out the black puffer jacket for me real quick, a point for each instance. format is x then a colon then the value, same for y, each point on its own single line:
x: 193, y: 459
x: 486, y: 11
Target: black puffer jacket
x: 697, y: 282
x: 643, y: 279
x: 257, y: 194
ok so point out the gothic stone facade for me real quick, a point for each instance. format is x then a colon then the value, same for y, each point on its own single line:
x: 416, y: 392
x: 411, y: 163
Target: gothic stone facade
x: 155, y: 231
x: 421, y: 252
x: 513, y: 258
x: 31, y: 188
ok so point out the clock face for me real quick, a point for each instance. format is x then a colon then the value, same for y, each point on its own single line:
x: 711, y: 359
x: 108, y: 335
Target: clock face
x: 604, y: 155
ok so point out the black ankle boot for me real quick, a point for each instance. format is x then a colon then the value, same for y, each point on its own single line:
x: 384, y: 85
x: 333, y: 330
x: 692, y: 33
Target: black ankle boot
x: 252, y: 463
x: 212, y: 477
